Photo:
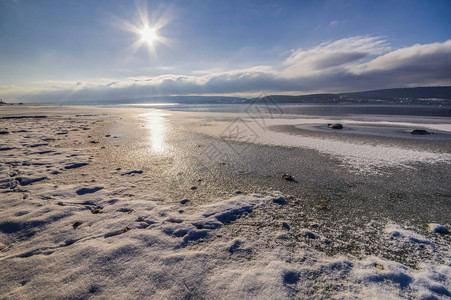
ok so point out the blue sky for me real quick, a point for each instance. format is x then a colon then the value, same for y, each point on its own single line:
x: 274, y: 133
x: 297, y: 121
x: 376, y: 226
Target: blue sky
x: 92, y: 50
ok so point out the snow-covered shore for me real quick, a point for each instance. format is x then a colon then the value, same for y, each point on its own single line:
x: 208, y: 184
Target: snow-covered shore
x: 74, y: 228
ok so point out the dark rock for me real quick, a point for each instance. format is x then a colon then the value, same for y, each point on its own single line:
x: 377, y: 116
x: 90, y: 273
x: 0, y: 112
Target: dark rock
x: 4, y: 132
x: 335, y: 126
x: 417, y: 131
x: 76, y: 224
x: 184, y: 201
x: 287, y: 177
x: 96, y: 211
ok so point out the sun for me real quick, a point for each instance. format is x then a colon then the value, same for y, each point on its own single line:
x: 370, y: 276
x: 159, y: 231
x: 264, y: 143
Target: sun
x: 148, y: 35
x: 149, y: 31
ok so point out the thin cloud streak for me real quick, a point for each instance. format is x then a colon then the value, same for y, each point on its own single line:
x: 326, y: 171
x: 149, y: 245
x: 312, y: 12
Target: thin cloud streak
x: 351, y: 64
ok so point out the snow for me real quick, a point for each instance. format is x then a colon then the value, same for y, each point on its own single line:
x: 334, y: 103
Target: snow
x: 68, y: 232
x: 437, y: 228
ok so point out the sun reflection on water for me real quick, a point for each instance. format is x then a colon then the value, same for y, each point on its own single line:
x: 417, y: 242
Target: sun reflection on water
x: 157, y: 125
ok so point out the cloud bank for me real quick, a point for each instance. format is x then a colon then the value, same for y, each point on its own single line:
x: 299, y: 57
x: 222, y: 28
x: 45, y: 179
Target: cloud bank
x: 351, y: 64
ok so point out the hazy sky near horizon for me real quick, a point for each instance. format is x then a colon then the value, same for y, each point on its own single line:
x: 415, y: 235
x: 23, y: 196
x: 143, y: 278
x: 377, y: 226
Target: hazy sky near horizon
x: 57, y: 50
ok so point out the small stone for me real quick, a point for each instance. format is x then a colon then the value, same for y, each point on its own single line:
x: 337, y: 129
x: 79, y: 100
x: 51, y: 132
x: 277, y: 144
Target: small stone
x: 335, y: 126
x: 194, y: 188
x: 4, y: 132
x: 238, y: 192
x: 287, y: 177
x: 417, y: 131
x: 126, y: 229
x: 108, y: 135
x: 96, y: 211
x: 184, y: 201
x: 93, y: 142
x: 76, y: 224
x: 380, y: 267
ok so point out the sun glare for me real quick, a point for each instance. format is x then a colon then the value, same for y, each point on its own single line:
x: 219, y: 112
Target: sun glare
x: 148, y: 35
x: 148, y: 31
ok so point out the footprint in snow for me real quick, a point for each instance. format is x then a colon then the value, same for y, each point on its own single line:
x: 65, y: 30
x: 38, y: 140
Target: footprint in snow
x: 76, y: 165
x: 88, y: 190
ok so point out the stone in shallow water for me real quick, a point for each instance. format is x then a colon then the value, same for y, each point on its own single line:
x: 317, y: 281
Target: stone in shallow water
x: 417, y: 131
x: 335, y: 126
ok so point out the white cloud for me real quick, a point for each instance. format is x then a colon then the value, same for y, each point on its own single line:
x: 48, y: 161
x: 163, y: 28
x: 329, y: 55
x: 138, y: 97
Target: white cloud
x: 351, y: 64
x: 414, y: 58
x: 331, y: 56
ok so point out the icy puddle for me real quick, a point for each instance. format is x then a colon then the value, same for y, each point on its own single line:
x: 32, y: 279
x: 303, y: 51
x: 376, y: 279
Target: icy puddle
x: 361, y: 156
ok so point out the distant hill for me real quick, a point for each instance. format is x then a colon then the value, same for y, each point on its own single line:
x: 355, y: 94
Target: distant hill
x: 440, y: 94
x: 170, y: 99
